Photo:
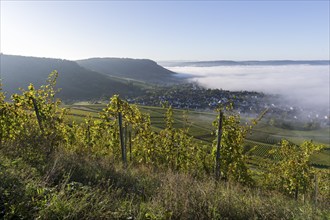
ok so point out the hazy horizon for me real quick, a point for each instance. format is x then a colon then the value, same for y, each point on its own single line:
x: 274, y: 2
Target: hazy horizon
x: 164, y: 62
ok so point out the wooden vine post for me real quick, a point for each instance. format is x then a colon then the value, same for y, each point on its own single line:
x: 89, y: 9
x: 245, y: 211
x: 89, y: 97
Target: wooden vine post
x: 88, y: 134
x: 122, y: 142
x: 315, y: 190
x: 125, y: 139
x: 37, y: 113
x: 217, y: 160
x: 130, y: 145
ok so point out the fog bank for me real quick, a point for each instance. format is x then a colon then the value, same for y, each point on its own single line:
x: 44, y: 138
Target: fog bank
x: 304, y: 84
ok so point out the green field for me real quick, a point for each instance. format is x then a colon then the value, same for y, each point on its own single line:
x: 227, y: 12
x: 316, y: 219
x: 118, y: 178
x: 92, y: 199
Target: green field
x: 261, y: 139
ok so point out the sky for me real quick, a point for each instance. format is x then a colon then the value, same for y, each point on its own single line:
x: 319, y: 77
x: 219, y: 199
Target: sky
x: 167, y: 30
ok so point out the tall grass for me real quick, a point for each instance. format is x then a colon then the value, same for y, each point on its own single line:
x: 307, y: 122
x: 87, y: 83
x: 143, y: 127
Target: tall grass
x: 77, y: 186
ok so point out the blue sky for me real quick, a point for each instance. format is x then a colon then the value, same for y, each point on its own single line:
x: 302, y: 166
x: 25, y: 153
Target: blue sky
x: 161, y: 30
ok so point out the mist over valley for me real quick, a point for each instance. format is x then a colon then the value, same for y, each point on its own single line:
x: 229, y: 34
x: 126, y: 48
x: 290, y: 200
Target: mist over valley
x: 301, y: 84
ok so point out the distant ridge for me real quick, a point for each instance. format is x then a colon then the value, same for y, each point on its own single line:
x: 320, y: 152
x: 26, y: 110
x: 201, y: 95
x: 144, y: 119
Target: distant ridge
x: 247, y: 63
x: 76, y: 82
x: 137, y: 69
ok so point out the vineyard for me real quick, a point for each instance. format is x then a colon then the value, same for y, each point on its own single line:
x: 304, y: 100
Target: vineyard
x: 122, y: 161
x: 263, y: 137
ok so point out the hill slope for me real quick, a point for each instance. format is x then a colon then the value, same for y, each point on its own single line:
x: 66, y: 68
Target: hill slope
x: 137, y: 69
x: 77, y: 83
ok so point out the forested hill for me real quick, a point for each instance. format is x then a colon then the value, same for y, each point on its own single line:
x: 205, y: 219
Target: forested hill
x: 76, y: 82
x: 137, y: 69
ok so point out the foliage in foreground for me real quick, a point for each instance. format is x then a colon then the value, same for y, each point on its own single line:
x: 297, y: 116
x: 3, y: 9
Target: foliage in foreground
x: 290, y: 172
x: 52, y: 168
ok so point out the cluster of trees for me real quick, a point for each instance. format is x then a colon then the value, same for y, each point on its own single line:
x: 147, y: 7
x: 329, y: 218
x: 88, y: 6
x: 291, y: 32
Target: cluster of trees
x: 35, y: 124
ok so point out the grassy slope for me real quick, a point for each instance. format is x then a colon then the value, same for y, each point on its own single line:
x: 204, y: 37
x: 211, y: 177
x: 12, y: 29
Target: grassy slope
x: 263, y: 136
x: 77, y: 186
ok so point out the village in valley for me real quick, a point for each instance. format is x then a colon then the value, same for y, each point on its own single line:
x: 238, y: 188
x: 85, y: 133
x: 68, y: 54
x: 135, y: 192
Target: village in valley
x: 192, y: 96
